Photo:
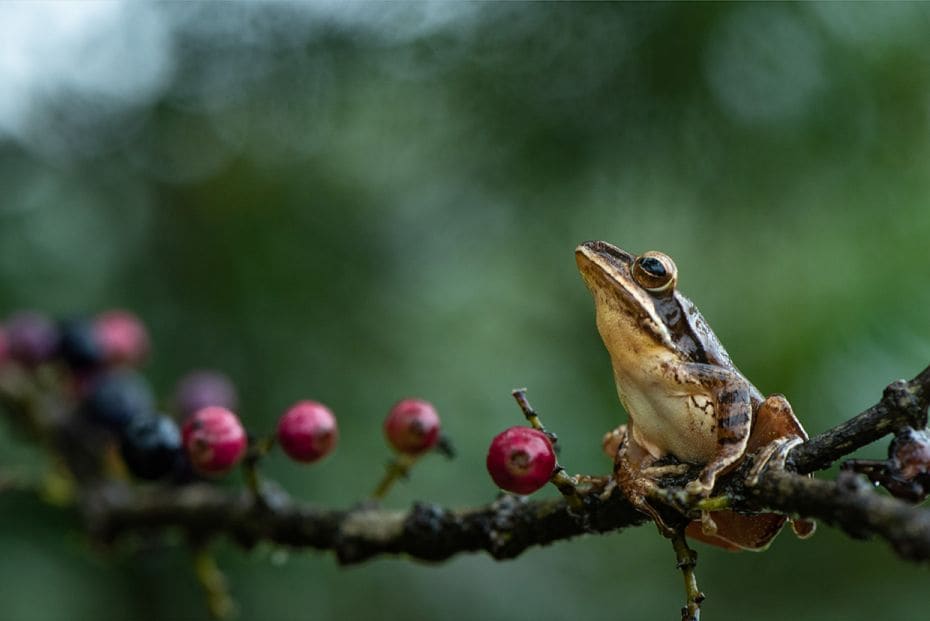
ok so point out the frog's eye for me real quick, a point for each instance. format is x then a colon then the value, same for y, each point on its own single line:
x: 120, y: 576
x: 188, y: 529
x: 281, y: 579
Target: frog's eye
x: 654, y: 271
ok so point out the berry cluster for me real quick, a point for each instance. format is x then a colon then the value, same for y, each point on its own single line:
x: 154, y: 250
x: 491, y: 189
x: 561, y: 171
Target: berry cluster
x: 88, y: 369
x: 97, y: 359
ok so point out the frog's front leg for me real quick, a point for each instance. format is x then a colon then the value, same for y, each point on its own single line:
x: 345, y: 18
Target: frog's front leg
x: 635, y: 475
x: 732, y: 412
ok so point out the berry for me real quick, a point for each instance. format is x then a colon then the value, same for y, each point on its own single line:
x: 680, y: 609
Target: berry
x: 307, y: 431
x: 909, y: 454
x: 4, y: 346
x: 118, y: 397
x: 122, y: 337
x: 198, y: 389
x: 521, y: 460
x: 214, y: 440
x: 78, y: 344
x: 32, y: 338
x: 412, y: 426
x: 151, y: 446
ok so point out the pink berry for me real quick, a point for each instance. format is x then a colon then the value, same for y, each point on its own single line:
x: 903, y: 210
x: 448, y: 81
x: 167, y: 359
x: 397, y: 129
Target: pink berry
x: 32, y: 338
x: 214, y: 440
x: 307, y: 431
x: 521, y: 460
x: 412, y: 426
x: 122, y: 337
x: 4, y: 349
x: 198, y: 389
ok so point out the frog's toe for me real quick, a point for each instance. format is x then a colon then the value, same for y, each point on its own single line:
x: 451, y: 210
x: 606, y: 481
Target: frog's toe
x: 698, y: 489
x: 708, y: 525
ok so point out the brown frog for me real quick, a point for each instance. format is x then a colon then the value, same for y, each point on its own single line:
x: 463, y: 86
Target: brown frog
x: 684, y: 396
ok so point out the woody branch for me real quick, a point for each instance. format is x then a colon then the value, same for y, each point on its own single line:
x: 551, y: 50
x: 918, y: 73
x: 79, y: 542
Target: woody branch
x: 509, y: 525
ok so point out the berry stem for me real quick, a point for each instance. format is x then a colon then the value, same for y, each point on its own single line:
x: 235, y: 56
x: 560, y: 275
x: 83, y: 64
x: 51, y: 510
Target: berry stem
x: 533, y: 418
x: 397, y: 468
x: 687, y: 561
x: 219, y: 602
x: 253, y: 479
x: 568, y: 486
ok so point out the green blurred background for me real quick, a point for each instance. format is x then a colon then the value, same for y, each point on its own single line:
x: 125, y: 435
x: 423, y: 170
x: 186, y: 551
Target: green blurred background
x: 361, y: 202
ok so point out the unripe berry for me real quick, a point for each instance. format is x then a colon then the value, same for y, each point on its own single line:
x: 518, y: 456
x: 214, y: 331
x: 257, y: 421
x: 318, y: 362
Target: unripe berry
x: 151, y: 446
x: 214, y: 440
x: 521, y: 460
x: 199, y: 389
x: 78, y: 344
x: 118, y: 397
x: 412, y: 426
x: 307, y: 431
x: 32, y: 338
x: 122, y: 337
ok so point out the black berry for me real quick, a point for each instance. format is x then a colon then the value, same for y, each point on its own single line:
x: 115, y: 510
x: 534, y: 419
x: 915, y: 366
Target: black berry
x: 118, y: 397
x: 151, y: 446
x: 79, y: 346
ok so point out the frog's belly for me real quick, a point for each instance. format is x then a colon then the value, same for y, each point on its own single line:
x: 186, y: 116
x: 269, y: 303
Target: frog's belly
x: 681, y: 424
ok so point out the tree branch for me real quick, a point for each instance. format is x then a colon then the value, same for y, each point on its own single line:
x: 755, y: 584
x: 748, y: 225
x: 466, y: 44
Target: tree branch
x: 903, y: 403
x: 503, y: 528
x: 510, y: 525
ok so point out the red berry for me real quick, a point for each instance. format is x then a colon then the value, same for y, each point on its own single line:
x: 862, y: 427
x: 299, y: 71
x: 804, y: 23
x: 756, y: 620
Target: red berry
x: 307, y: 431
x: 521, y: 460
x: 412, y: 426
x: 214, y: 440
x: 122, y: 337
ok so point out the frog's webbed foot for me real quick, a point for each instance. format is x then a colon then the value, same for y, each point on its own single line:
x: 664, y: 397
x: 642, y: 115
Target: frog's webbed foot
x: 613, y: 440
x: 666, y: 470
x: 639, y: 498
x: 635, y: 478
x: 772, y: 455
x: 700, y: 488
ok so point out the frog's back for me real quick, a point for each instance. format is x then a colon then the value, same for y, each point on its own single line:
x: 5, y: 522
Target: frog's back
x: 710, y: 350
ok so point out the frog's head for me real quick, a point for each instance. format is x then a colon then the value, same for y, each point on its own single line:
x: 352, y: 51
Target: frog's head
x: 626, y: 289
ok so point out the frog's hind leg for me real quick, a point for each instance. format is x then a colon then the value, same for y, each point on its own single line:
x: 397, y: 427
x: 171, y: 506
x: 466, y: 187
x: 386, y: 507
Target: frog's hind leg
x: 776, y: 431
x: 774, y: 419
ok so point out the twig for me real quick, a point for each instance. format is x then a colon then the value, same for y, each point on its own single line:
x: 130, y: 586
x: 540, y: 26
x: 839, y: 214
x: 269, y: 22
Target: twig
x: 903, y: 403
x: 219, y: 602
x: 687, y: 562
x: 398, y: 468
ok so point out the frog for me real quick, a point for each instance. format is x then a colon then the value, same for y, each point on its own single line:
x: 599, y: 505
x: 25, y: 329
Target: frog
x: 688, y: 405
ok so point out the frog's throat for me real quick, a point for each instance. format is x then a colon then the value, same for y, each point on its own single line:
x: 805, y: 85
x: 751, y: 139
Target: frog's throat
x: 614, y: 277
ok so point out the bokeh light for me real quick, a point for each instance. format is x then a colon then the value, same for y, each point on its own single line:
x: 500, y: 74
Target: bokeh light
x: 359, y: 202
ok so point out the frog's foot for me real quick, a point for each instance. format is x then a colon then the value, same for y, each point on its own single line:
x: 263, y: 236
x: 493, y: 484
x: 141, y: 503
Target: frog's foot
x: 708, y: 525
x: 641, y: 504
x: 700, y: 488
x: 613, y: 440
x: 639, y: 490
x: 772, y: 455
x: 656, y: 472
x: 608, y: 490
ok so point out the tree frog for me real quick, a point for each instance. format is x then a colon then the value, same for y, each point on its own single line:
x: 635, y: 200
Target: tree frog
x: 683, y: 395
